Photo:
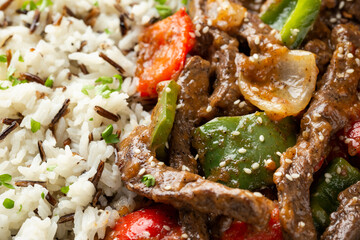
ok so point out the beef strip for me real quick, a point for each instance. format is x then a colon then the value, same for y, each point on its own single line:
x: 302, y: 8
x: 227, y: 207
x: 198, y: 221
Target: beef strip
x: 194, y: 83
x: 345, y: 222
x: 330, y: 110
x: 183, y: 189
x: 322, y: 51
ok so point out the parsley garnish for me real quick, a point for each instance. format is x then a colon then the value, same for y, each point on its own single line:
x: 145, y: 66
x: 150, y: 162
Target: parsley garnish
x: 103, y: 88
x: 8, y: 203
x: 35, y: 126
x: 65, y: 189
x: 3, y: 88
x: 3, y: 58
x: 51, y: 168
x: 20, y: 208
x: 108, y: 136
x: 5, y: 179
x: 43, y: 195
x: 31, y: 5
x: 163, y: 10
x: 107, y: 31
x: 21, y: 59
x: 49, y: 82
x: 148, y: 180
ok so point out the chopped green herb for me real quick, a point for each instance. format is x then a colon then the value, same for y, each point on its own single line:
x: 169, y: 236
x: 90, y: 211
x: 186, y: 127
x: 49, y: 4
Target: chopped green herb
x: 103, y: 90
x: 20, y: 208
x: 35, y: 126
x: 107, y: 31
x: 184, y: 2
x: 65, y: 189
x: 43, y: 195
x: 104, y: 80
x: 148, y: 180
x: 16, y: 81
x: 5, y: 179
x: 96, y: 4
x: 3, y: 58
x: 42, y: 4
x: 85, y: 89
x: 3, y: 88
x: 161, y: 1
x: 49, y: 82
x: 163, y: 10
x: 51, y: 168
x: 10, y: 72
x: 108, y: 131
x: 31, y: 4
x: 119, y: 77
x: 108, y: 136
x: 8, y: 203
x: 91, y: 119
x: 21, y: 59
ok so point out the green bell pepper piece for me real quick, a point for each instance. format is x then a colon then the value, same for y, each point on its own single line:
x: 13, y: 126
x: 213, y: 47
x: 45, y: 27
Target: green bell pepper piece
x: 163, y: 118
x: 236, y: 151
x: 324, y: 195
x: 293, y: 18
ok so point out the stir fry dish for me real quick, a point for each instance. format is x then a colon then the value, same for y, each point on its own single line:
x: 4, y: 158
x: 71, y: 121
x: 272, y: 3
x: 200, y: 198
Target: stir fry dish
x: 255, y: 134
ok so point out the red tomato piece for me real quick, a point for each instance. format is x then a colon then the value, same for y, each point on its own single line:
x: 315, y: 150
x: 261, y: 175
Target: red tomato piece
x: 163, y: 49
x: 353, y: 139
x: 243, y: 231
x: 158, y: 222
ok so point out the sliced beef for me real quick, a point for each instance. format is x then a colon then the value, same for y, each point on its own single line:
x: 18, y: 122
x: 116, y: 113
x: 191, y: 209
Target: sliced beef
x: 345, y: 222
x: 332, y: 107
x: 352, y: 9
x: 183, y: 189
x: 322, y: 51
x: 194, y: 83
x: 252, y: 5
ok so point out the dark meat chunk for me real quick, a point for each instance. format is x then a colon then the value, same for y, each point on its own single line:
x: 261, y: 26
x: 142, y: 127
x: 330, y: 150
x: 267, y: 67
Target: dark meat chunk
x: 194, y: 83
x: 332, y: 107
x: 345, y: 222
x: 352, y: 8
x: 322, y: 51
x: 183, y: 189
x: 252, y: 5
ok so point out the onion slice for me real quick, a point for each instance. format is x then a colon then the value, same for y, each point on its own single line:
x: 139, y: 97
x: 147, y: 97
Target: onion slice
x: 280, y: 81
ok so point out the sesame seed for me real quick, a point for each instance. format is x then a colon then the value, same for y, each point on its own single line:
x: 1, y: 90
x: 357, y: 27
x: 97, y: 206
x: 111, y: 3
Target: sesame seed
x: 340, y: 55
x: 256, y: 56
x: 192, y: 35
x: 242, y: 150
x: 269, y: 161
x: 341, y: 49
x: 295, y: 175
x: 328, y: 175
x: 142, y: 171
x: 341, y: 5
x: 279, y: 154
x: 160, y: 163
x: 350, y: 55
x: 289, y: 177
x: 301, y: 224
x: 198, y: 27
x: 235, y: 133
x: 278, y: 174
x: 333, y: 20
x: 167, y: 145
x: 168, y: 187
x: 168, y: 90
x: 350, y: 70
x: 152, y: 164
x: 294, y: 32
x: 167, y: 228
x: 259, y: 120
x: 222, y: 164
x: 185, y: 168
x: 237, y: 102
x: 242, y: 104
x: 184, y: 235
x: 327, y: 180
x: 338, y: 170
x: 338, y: 15
x: 209, y: 22
x: 247, y: 170
x: 257, y: 40
x: 151, y: 158
x: 321, y: 137
x: 255, y: 166
x: 257, y: 194
x: 357, y: 61
x: 354, y: 199
x: 208, y: 109
x: 196, y: 156
x: 262, y: 138
x: 261, y: 25
x: 205, y: 29
x: 269, y: 45
x: 137, y: 150
x: 288, y: 160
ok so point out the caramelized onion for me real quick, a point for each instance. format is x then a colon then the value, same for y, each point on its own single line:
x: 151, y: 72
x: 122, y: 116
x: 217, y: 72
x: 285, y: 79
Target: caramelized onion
x: 280, y: 81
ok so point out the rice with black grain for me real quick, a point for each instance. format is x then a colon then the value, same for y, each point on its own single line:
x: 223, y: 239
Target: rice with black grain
x: 65, y: 170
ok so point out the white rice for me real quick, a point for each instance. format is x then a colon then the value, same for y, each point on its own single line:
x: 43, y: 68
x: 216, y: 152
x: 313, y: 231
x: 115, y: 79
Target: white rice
x: 53, y: 51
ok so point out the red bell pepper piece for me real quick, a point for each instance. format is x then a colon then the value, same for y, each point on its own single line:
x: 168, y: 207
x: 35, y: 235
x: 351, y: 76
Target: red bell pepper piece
x: 163, y: 49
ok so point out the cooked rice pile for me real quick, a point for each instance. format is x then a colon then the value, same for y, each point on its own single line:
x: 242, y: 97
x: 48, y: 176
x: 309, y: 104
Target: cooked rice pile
x: 59, y: 48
